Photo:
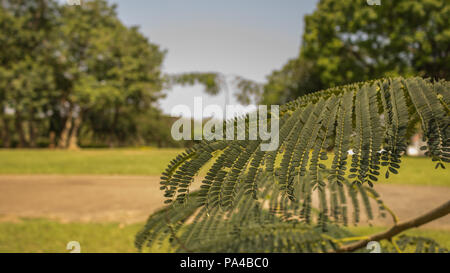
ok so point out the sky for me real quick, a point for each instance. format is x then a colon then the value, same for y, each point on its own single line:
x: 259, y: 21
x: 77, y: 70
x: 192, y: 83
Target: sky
x: 249, y: 38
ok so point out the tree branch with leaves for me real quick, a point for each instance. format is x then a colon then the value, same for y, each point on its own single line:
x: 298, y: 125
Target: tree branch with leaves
x: 296, y: 198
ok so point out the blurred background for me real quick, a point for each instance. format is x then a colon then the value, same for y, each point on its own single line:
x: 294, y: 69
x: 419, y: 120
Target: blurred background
x: 87, y: 89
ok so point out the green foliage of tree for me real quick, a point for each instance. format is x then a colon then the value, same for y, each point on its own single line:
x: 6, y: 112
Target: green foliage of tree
x: 26, y: 78
x: 350, y: 41
x: 112, y: 71
x: 293, y: 80
x: 236, y: 208
x: 66, y: 67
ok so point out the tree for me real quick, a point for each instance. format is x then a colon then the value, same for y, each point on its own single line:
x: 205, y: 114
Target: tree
x: 26, y: 43
x: 67, y: 67
x: 348, y: 41
x: 106, y: 71
x: 293, y: 80
x: 370, y: 118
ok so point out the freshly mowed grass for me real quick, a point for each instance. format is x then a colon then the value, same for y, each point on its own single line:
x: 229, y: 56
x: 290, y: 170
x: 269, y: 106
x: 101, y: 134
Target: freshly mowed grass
x: 417, y: 171
x: 152, y: 161
x: 41, y: 236
x: 148, y: 161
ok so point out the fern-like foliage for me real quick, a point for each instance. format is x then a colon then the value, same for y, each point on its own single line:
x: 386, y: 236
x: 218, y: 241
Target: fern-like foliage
x: 372, y: 119
x: 267, y: 223
x: 416, y: 244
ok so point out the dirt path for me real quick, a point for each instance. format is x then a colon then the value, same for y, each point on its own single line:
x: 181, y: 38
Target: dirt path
x: 129, y: 199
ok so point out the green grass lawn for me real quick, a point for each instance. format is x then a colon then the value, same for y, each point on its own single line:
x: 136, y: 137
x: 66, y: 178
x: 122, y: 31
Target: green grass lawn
x: 38, y: 235
x: 417, y: 171
x: 146, y: 161
x: 152, y: 161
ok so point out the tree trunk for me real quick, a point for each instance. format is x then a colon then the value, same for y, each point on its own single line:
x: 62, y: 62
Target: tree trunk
x: 32, y: 134
x: 113, y: 139
x: 63, y: 139
x: 6, y: 133
x: 52, y: 138
x: 110, y: 141
x: 73, y: 139
x: 19, y: 129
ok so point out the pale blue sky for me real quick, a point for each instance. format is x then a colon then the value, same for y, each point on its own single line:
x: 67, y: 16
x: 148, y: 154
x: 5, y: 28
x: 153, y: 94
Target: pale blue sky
x: 249, y: 38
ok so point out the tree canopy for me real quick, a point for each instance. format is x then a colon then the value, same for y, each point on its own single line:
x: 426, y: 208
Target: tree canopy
x: 64, y: 68
x: 348, y: 41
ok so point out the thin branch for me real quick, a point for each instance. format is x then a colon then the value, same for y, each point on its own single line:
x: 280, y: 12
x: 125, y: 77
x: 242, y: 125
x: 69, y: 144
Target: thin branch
x: 434, y: 214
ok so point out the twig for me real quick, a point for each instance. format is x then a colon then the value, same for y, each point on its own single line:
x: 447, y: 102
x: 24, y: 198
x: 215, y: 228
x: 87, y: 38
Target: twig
x: 400, y: 227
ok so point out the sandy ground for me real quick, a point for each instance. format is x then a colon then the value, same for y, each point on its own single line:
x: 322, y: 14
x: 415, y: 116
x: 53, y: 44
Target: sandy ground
x: 130, y: 199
